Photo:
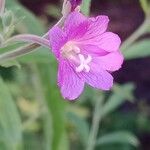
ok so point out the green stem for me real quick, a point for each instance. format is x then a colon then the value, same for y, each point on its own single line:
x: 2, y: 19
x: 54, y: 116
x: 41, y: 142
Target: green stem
x: 85, y: 7
x: 18, y: 52
x: 46, y: 115
x: 25, y: 49
x: 29, y: 38
x: 139, y: 32
x: 95, y: 124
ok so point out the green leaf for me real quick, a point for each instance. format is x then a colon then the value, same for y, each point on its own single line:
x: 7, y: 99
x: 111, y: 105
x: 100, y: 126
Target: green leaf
x: 7, y: 48
x: 64, y: 142
x: 7, y: 18
x: 138, y: 50
x: 81, y: 126
x: 85, y: 7
x: 47, y: 128
x: 30, y: 23
x: 10, y: 122
x: 41, y: 55
x: 118, y: 97
x: 10, y: 64
x: 144, y: 5
x: 10, y: 47
x: 55, y: 103
x: 120, y: 137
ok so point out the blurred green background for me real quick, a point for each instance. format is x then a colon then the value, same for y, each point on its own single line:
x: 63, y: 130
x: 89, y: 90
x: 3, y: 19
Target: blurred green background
x: 34, y: 116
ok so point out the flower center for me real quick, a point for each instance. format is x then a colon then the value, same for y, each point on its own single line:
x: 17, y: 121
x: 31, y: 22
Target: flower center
x: 72, y: 52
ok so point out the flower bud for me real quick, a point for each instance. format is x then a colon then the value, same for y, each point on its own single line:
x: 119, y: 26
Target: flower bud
x: 7, y: 18
x: 2, y: 7
x: 70, y: 5
x: 75, y: 3
x: 66, y: 8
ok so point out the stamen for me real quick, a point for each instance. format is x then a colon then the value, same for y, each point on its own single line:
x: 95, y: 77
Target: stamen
x: 76, y: 49
x: 70, y: 49
x: 84, y: 63
x: 72, y: 52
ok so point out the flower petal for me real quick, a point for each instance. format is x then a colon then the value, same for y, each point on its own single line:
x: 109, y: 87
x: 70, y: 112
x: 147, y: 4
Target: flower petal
x: 99, y: 79
x: 57, y: 39
x: 92, y: 50
x: 73, y: 21
x: 110, y: 62
x: 69, y: 82
x: 97, y: 26
x: 79, y: 32
x: 109, y: 41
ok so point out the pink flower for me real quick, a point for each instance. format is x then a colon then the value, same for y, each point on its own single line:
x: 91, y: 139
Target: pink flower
x: 86, y: 53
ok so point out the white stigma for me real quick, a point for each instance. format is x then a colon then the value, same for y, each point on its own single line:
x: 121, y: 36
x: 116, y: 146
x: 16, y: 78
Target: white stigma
x: 84, y: 63
x: 72, y: 52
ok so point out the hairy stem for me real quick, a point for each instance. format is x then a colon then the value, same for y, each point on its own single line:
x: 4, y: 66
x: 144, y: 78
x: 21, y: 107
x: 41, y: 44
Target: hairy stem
x: 28, y: 48
x: 36, y: 40
x: 29, y: 38
x: 95, y: 124
x: 18, y: 52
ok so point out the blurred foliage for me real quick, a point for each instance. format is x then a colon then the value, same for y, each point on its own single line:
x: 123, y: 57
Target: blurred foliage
x: 10, y: 121
x: 138, y: 50
x: 145, y: 4
x: 118, y: 137
x: 85, y: 7
x: 33, y: 114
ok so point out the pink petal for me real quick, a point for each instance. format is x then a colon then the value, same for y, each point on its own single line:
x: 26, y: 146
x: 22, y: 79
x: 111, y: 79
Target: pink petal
x: 92, y: 50
x: 97, y: 26
x: 57, y: 39
x: 71, y: 85
x: 78, y: 32
x: 73, y: 21
x: 109, y: 41
x: 110, y: 62
x: 100, y: 79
